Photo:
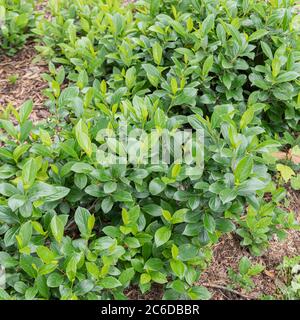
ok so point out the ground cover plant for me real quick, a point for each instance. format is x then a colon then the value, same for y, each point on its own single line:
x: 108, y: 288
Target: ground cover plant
x: 16, y: 19
x: 290, y: 269
x: 75, y: 226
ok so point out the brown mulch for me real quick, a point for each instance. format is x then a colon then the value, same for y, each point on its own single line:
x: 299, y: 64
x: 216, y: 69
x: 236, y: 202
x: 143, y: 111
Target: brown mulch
x: 156, y: 293
x: 29, y: 84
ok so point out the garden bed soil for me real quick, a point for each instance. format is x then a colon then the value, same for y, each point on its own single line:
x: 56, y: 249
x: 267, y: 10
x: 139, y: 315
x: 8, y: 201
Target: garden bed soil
x: 28, y: 85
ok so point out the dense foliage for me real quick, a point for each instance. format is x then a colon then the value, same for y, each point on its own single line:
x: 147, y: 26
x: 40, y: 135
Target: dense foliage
x: 73, y: 226
x: 16, y: 19
x: 185, y: 53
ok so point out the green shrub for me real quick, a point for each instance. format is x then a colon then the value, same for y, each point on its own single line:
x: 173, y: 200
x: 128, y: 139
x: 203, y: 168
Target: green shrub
x: 68, y: 220
x: 16, y: 19
x: 187, y: 53
x: 73, y: 226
